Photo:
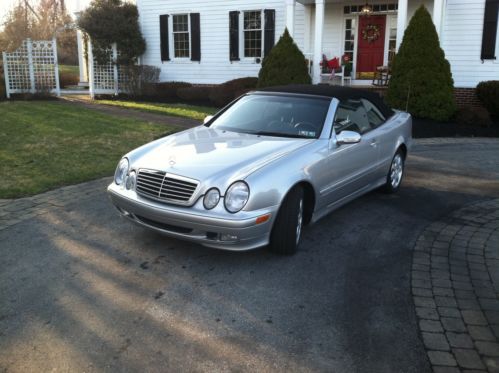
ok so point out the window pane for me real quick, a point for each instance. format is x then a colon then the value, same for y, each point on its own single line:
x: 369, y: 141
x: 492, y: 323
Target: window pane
x: 348, y: 46
x: 252, y: 43
x: 252, y: 20
x: 375, y: 117
x: 181, y: 44
x: 180, y: 23
x: 351, y: 116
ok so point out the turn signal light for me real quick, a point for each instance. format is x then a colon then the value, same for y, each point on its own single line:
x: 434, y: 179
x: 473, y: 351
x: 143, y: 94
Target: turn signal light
x: 262, y: 219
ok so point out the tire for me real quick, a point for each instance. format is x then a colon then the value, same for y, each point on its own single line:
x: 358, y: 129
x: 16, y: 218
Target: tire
x: 283, y: 239
x: 395, y: 173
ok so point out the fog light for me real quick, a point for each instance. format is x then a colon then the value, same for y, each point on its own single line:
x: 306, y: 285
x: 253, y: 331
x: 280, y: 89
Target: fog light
x: 228, y: 237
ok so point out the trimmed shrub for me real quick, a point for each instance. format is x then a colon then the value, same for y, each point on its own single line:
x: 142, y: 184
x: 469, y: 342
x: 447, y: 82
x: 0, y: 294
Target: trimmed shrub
x: 199, y: 94
x: 168, y: 90
x: 140, y: 79
x: 284, y: 65
x: 421, y: 77
x: 488, y: 93
x: 470, y: 116
x: 223, y: 94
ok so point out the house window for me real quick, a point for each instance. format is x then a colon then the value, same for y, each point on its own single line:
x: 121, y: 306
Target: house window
x: 377, y: 8
x: 349, y: 38
x: 181, y: 45
x: 252, y: 33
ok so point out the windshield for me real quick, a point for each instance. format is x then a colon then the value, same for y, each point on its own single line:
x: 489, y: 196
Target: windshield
x: 271, y: 115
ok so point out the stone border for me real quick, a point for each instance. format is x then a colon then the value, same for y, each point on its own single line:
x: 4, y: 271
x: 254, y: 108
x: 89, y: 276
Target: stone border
x: 455, y: 287
x: 14, y: 211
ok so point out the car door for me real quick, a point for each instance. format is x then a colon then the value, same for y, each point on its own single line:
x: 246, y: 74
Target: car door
x: 383, y: 134
x: 349, y: 168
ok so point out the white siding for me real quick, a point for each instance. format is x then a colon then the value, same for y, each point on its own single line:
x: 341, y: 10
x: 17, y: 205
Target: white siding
x: 462, y: 43
x: 461, y: 37
x: 215, y: 66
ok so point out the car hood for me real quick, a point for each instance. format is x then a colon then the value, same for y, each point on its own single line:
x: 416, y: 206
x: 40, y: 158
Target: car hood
x: 204, y: 154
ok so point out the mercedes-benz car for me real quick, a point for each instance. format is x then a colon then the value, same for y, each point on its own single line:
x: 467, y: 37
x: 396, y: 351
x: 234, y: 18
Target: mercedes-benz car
x: 262, y: 168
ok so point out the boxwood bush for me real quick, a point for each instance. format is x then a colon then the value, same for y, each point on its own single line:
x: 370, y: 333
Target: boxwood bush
x: 488, y: 93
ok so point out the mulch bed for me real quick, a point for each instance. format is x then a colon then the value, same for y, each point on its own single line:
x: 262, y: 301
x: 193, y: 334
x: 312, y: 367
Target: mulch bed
x: 423, y: 128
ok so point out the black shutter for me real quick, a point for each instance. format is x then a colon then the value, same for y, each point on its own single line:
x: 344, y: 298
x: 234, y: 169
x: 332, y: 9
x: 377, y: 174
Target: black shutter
x: 490, y: 30
x: 164, y: 38
x: 195, y: 37
x: 269, y: 31
x: 234, y: 35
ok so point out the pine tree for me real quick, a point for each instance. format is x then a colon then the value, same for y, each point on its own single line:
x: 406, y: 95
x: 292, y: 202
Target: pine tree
x: 421, y: 77
x: 285, y: 64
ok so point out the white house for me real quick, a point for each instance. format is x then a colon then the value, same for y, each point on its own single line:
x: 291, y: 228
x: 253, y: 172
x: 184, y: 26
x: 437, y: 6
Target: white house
x: 209, y: 42
x: 214, y: 41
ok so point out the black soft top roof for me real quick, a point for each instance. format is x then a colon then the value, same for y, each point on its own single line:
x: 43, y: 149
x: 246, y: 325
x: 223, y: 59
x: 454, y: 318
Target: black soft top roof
x: 341, y: 93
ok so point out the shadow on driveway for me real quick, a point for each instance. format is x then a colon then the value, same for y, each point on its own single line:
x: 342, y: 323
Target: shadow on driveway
x: 82, y: 290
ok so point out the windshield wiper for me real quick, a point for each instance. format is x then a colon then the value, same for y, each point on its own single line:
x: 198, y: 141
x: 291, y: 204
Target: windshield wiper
x: 280, y: 134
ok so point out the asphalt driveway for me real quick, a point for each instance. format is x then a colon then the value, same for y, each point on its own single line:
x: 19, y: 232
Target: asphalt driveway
x: 83, y: 290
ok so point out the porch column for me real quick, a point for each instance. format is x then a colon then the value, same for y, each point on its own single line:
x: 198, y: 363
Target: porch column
x: 438, y: 15
x: 319, y: 28
x: 290, y: 16
x: 82, y: 66
x: 81, y: 57
x: 401, y: 21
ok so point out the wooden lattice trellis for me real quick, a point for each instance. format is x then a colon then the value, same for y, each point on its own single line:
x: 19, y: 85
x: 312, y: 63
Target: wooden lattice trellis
x: 32, y: 68
x: 108, y: 78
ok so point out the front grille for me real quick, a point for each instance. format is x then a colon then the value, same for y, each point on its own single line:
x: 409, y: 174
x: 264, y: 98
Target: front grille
x: 161, y: 186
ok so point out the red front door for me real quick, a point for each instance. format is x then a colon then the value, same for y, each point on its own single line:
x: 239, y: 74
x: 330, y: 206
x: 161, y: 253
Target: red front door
x: 371, y: 45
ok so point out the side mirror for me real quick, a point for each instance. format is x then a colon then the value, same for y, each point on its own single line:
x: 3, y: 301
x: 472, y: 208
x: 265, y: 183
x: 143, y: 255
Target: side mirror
x: 348, y: 137
x: 207, y: 119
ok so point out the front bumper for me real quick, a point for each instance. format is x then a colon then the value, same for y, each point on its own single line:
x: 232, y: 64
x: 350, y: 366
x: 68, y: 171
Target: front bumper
x: 196, y: 224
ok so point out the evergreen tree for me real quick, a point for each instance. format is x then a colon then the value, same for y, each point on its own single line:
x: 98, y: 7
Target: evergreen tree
x: 285, y: 64
x: 113, y: 21
x: 421, y: 77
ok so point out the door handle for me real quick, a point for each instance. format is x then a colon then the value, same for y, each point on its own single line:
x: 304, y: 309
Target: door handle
x: 374, y: 143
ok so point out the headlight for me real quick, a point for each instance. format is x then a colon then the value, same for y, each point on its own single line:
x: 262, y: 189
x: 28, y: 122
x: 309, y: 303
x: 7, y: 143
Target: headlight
x: 236, y: 196
x: 121, y: 171
x: 211, y: 198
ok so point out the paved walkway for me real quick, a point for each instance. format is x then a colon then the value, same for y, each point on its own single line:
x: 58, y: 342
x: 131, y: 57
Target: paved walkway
x: 455, y: 283
x: 132, y: 113
x: 14, y: 211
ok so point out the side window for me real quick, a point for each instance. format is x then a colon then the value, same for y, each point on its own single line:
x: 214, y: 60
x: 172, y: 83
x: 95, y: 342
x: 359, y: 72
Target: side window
x: 351, y: 115
x: 374, y: 116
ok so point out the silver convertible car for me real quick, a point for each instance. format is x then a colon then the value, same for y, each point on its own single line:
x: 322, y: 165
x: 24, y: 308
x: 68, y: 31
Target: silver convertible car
x: 260, y: 169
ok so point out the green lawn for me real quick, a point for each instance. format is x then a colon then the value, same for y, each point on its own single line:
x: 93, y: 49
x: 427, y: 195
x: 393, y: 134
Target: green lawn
x: 178, y: 110
x: 47, y: 144
x: 69, y: 69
